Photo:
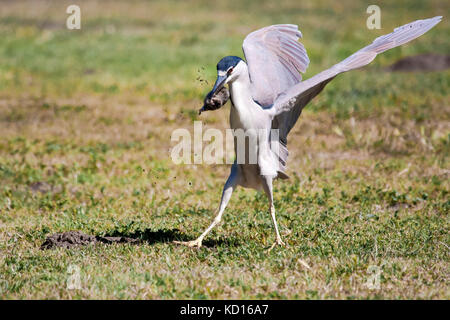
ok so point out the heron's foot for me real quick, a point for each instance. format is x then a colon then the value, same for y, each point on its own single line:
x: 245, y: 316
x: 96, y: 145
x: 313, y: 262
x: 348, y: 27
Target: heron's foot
x: 194, y: 243
x: 279, y: 242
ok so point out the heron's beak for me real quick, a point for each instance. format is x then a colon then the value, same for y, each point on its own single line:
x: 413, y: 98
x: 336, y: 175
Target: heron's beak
x: 220, y: 82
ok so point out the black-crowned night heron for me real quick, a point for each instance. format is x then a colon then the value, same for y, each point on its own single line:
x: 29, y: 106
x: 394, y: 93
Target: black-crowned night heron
x: 267, y: 93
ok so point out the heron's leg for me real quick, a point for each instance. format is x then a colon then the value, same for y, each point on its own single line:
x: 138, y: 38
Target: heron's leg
x: 267, y: 186
x: 230, y: 185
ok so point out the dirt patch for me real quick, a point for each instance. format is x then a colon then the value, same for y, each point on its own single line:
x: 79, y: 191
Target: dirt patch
x: 421, y: 62
x: 44, y: 187
x: 71, y: 239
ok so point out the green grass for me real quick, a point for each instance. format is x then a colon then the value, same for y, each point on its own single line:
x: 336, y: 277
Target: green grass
x: 85, y: 124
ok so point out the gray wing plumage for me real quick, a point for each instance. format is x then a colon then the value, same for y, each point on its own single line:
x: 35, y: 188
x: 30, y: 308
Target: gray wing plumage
x: 289, y: 104
x: 300, y: 94
x: 275, y: 59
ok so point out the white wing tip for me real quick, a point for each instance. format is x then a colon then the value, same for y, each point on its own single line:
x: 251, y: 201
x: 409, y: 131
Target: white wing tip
x: 435, y: 20
x: 432, y: 21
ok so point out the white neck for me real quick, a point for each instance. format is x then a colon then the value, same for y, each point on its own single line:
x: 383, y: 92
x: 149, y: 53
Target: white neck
x: 240, y: 92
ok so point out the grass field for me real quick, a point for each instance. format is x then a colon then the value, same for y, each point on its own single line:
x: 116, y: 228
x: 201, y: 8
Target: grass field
x: 85, y: 123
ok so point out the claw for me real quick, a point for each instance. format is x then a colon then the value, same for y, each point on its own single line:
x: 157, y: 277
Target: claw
x: 194, y: 243
x: 279, y: 242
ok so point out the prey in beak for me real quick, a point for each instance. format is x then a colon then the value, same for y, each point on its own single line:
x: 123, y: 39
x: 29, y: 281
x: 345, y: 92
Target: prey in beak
x: 215, y: 99
x: 219, y: 95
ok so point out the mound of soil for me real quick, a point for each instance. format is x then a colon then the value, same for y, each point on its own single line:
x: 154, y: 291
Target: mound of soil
x: 76, y: 238
x: 422, y: 62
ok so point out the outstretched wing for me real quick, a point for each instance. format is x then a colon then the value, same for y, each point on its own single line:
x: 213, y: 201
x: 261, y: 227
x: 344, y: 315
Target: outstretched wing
x: 289, y: 104
x: 275, y: 59
x: 300, y: 94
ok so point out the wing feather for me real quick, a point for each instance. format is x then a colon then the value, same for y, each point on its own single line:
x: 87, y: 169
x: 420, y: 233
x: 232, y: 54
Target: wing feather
x: 275, y: 59
x: 289, y: 104
x: 300, y: 94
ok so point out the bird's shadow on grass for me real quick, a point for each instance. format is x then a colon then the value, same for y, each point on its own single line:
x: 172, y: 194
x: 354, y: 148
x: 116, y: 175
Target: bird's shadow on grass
x: 151, y: 237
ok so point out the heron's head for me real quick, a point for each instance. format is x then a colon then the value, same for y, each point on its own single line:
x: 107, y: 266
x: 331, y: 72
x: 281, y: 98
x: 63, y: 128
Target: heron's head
x: 228, y: 70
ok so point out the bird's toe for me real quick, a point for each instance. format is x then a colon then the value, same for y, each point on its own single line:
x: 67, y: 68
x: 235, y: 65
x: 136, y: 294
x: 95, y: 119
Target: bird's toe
x: 191, y: 244
x: 278, y: 242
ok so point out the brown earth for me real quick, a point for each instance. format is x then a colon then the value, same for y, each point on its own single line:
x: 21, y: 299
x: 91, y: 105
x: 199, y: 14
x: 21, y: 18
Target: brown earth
x: 422, y: 62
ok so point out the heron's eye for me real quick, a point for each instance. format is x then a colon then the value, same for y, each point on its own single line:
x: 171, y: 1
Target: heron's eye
x: 230, y: 71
